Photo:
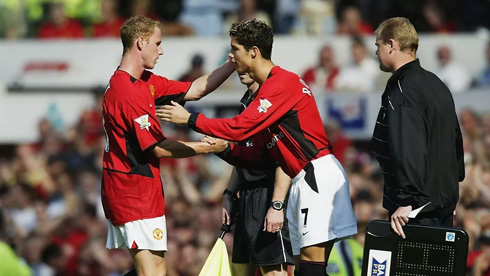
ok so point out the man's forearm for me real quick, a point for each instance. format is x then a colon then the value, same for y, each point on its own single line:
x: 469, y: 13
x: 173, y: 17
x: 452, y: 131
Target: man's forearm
x: 281, y: 186
x: 209, y: 82
x: 180, y: 149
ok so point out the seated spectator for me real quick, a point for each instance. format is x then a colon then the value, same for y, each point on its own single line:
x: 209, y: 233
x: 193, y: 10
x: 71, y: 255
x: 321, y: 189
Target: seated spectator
x: 59, y: 25
x: 436, y: 18
x: 285, y: 16
x: 247, y: 11
x: 483, y: 79
x: 359, y: 76
x: 479, y: 261
x: 111, y: 23
x: 195, y: 71
x: 455, y: 76
x: 316, y: 17
x: 351, y: 23
x: 205, y: 17
x: 322, y: 76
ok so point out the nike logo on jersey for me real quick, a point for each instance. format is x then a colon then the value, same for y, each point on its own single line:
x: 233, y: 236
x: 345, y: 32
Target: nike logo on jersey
x: 305, y: 233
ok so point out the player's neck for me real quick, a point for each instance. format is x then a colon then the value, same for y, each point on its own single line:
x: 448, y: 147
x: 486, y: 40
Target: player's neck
x: 261, y: 70
x: 132, y: 65
x: 253, y: 88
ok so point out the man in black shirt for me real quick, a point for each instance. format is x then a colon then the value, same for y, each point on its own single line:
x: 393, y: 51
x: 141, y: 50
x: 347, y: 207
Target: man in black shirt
x: 261, y: 233
x: 417, y: 139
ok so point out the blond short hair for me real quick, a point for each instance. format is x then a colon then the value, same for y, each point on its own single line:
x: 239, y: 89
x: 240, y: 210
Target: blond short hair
x: 135, y: 27
x: 401, y: 30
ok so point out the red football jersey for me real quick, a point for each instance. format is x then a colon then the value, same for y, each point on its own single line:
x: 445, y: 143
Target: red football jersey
x: 285, y: 116
x: 131, y: 183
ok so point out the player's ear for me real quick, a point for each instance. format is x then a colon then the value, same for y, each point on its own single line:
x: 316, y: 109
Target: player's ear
x: 139, y: 42
x: 254, y: 51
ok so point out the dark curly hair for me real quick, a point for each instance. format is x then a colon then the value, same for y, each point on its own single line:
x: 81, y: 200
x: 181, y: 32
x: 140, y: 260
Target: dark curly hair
x: 251, y: 33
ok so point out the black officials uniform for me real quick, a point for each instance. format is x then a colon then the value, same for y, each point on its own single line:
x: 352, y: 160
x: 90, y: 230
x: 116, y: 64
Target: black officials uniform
x: 418, y: 143
x: 251, y: 244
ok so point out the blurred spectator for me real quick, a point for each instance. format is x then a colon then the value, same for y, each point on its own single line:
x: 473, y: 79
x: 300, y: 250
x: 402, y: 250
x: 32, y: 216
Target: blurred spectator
x: 12, y: 20
x: 479, y: 261
x: 205, y: 17
x: 59, y: 26
x: 111, y: 22
x: 11, y: 264
x: 196, y: 70
x: 361, y: 74
x: 351, y: 23
x: 455, y: 76
x: 285, y: 16
x: 169, y: 12
x: 316, y: 17
x: 483, y: 78
x: 246, y: 11
x: 322, y: 76
x: 435, y: 17
x: 339, y: 142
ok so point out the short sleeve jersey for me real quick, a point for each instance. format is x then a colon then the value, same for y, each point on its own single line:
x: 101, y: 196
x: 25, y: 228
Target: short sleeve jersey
x: 131, y: 183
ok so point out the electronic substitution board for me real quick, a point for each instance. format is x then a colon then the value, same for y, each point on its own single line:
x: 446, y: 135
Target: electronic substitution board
x: 426, y: 251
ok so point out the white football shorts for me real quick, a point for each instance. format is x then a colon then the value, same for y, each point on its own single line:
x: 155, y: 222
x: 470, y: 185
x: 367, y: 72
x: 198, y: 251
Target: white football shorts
x: 319, y: 207
x: 148, y: 234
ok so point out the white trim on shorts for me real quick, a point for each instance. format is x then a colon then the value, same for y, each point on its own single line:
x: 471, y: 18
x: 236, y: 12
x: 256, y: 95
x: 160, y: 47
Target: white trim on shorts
x: 328, y: 213
x: 148, y: 234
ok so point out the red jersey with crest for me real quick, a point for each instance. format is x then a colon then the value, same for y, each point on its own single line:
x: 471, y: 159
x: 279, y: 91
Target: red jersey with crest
x: 131, y: 183
x: 285, y: 118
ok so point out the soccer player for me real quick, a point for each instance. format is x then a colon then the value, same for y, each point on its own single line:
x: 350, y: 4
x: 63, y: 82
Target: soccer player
x: 285, y: 114
x: 417, y: 139
x: 257, y: 243
x: 132, y: 193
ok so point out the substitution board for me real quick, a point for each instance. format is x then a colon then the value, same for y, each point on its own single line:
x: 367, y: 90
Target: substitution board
x: 426, y: 251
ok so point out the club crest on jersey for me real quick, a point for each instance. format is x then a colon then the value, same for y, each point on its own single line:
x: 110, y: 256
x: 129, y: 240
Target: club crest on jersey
x: 264, y: 105
x: 152, y: 90
x: 143, y: 121
x: 157, y: 234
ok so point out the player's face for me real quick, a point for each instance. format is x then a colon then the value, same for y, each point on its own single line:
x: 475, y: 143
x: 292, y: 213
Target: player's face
x: 245, y: 79
x: 240, y: 57
x: 152, y: 49
x: 383, y: 53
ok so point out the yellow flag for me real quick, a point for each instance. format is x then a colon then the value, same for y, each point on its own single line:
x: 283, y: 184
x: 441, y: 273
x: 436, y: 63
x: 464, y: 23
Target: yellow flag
x: 217, y: 263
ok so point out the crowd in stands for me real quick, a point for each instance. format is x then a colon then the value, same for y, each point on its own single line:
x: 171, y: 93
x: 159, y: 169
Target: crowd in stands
x: 50, y: 190
x: 362, y: 74
x: 71, y: 19
x: 50, y: 197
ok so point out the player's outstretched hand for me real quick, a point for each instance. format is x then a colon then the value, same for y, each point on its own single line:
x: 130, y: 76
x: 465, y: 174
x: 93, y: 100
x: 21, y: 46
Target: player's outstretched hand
x: 399, y: 219
x: 174, y: 113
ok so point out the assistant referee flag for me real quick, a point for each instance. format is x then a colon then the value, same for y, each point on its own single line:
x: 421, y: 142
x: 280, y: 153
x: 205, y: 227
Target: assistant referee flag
x: 217, y: 262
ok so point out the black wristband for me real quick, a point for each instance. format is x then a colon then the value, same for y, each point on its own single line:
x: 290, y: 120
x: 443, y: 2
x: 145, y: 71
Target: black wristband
x: 192, y: 121
x: 228, y: 192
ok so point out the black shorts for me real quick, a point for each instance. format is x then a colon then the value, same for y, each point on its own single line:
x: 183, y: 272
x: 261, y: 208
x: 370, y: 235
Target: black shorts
x: 253, y: 245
